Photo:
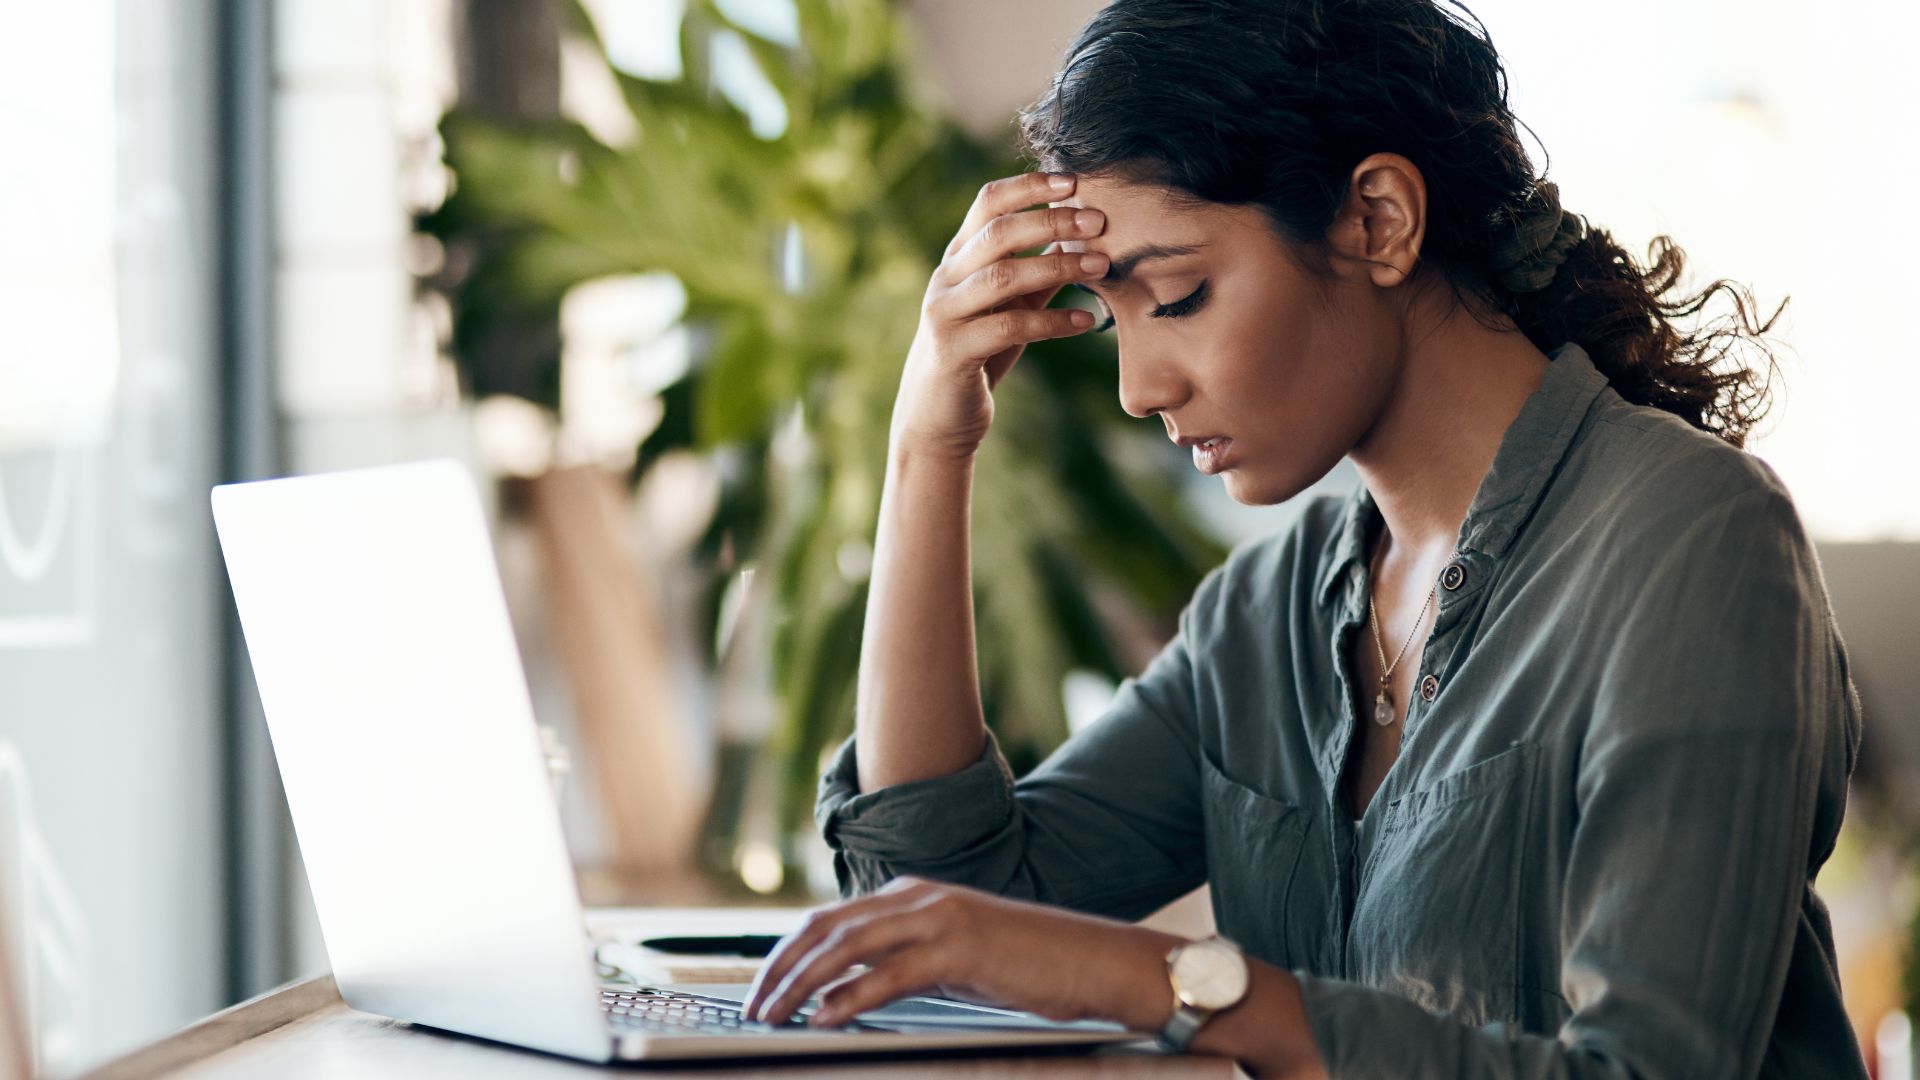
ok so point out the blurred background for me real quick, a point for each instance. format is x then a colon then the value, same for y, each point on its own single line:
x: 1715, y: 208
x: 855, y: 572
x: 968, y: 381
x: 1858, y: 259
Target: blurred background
x: 649, y: 268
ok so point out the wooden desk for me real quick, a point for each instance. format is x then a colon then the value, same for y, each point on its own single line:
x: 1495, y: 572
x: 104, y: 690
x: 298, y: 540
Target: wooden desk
x: 303, y: 1030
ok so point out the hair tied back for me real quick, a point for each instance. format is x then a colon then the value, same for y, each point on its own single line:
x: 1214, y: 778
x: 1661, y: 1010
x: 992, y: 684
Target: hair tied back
x: 1528, y: 253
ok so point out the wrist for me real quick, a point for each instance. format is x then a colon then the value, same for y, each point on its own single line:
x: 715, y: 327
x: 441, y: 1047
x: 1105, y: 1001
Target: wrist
x: 929, y: 454
x: 1146, y: 996
x: 1267, y: 1032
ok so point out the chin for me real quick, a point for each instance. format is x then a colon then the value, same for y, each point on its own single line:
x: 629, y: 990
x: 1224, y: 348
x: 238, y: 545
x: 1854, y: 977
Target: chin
x: 1250, y: 491
x: 1251, y: 488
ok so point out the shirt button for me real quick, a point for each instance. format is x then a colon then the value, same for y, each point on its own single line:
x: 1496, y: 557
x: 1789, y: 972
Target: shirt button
x: 1453, y: 577
x: 1429, y: 688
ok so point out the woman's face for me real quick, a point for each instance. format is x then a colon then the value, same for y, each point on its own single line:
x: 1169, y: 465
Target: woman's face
x: 1221, y: 334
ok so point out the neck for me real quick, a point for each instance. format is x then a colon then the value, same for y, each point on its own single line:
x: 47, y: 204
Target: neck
x: 1459, y: 388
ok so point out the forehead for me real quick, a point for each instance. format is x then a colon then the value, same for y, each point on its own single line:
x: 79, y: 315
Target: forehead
x: 1148, y: 213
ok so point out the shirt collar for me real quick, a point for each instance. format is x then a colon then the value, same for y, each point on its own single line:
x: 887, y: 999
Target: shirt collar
x: 1530, y: 452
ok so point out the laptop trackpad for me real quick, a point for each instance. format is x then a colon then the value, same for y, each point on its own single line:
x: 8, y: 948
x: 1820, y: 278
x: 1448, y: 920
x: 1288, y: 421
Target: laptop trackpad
x: 941, y: 1012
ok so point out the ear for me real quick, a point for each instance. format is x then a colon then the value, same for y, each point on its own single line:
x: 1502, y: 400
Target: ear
x: 1381, y: 224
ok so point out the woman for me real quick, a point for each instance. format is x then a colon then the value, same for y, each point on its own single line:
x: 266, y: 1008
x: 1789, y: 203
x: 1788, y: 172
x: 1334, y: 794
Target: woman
x: 1520, y: 761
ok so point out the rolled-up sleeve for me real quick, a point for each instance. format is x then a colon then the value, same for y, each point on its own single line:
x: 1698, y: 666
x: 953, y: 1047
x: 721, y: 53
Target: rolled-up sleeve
x: 1719, y: 699
x: 1109, y: 823
x: 934, y: 827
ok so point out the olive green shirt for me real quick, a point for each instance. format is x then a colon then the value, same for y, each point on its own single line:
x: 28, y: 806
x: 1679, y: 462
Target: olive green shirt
x: 1594, y: 857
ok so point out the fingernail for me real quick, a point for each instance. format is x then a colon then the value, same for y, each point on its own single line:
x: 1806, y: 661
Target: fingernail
x: 1081, y: 318
x: 1093, y: 264
x: 1061, y: 182
x: 1088, y: 220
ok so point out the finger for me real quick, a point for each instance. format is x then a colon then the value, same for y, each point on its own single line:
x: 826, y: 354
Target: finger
x: 860, y: 940
x: 818, y: 925
x: 1042, y: 297
x: 908, y: 972
x: 988, y: 334
x: 1010, y: 234
x: 1078, y: 321
x: 1008, y: 194
x: 869, y: 941
x: 795, y: 946
x: 1028, y: 283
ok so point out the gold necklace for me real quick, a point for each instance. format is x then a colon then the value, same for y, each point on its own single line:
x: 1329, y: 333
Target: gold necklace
x: 1383, y: 711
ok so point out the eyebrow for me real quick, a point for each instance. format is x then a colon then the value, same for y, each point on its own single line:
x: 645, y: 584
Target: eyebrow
x: 1118, y: 269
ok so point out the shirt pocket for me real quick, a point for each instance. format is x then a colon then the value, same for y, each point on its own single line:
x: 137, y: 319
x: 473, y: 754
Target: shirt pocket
x: 1437, y: 915
x: 1254, y: 844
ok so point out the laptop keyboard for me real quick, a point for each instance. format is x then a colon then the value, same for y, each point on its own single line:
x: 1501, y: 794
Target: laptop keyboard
x: 663, y: 1012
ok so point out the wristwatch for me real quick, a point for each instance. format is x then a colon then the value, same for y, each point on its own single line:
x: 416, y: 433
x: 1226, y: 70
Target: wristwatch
x: 1208, y: 976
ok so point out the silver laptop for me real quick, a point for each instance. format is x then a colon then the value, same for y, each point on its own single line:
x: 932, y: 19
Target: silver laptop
x: 405, y: 737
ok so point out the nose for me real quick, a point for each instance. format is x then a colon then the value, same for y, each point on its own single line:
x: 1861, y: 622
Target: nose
x: 1149, y: 385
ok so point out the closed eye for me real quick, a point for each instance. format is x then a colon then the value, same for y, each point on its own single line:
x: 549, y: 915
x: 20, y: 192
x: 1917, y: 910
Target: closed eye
x: 1184, y: 306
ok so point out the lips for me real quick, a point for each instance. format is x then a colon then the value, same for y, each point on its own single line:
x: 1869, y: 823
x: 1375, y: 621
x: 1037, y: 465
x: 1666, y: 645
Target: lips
x: 1210, y: 455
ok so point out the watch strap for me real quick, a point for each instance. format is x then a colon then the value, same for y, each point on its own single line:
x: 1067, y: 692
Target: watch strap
x: 1182, y: 1027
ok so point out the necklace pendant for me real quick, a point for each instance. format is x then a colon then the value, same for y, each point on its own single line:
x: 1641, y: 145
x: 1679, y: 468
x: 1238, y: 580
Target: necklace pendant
x: 1383, y: 709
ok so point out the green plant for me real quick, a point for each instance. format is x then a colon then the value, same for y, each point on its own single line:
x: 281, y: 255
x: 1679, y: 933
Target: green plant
x: 1070, y: 496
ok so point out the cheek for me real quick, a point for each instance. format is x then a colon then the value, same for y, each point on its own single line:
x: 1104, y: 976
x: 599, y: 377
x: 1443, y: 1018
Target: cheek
x: 1304, y: 393
x: 1296, y: 403
x: 1289, y: 366
x: 1270, y: 345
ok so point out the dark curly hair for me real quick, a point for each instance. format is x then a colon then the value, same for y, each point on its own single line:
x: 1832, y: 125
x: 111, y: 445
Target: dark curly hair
x: 1273, y: 104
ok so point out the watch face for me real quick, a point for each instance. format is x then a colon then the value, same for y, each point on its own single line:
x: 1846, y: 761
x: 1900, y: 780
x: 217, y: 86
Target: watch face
x: 1210, y: 975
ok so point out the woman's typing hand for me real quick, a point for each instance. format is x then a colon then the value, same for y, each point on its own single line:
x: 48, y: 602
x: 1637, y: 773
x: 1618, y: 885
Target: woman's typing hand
x: 916, y: 936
